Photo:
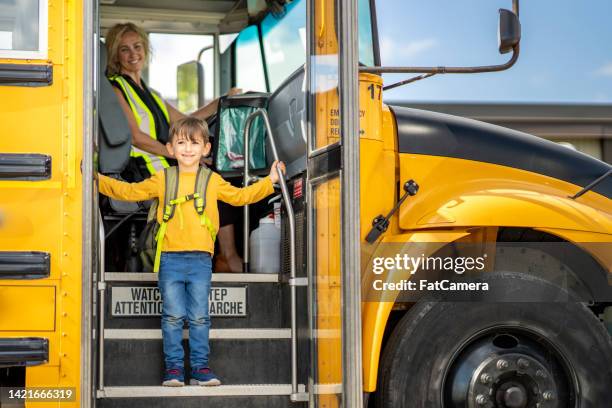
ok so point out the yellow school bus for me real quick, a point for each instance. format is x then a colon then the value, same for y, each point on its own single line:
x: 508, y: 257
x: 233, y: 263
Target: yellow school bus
x: 46, y: 274
x: 392, y: 224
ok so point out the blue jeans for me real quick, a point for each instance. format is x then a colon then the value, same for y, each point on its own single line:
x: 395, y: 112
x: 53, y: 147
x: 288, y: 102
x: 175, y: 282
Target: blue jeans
x: 184, y: 283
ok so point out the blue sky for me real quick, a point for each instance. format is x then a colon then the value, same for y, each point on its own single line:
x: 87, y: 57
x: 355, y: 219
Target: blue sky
x: 566, y: 49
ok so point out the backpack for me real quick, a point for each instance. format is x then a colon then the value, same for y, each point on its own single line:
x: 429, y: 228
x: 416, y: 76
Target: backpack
x: 152, y: 236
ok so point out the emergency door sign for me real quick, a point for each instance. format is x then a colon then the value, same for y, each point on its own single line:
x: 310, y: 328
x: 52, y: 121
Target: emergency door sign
x: 146, y: 301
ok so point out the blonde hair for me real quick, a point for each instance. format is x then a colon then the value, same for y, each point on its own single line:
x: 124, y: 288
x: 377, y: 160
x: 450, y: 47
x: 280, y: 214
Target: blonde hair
x: 113, y: 38
x: 189, y: 128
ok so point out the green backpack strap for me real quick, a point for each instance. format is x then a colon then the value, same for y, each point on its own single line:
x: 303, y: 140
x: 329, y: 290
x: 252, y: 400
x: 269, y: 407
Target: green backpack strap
x: 172, y: 180
x: 199, y: 199
x: 171, y: 176
x: 171, y: 190
x: 201, y: 184
x: 152, y: 215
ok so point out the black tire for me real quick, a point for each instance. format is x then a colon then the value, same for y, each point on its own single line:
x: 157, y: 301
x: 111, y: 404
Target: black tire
x: 420, y: 360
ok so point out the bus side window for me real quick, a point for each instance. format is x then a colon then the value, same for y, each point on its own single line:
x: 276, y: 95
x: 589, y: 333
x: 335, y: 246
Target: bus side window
x: 23, y: 29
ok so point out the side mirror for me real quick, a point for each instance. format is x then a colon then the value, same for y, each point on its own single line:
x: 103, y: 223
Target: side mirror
x: 509, y: 34
x: 190, y: 86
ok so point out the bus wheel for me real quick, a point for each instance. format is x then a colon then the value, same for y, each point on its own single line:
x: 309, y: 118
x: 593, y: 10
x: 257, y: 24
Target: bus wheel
x: 497, y: 355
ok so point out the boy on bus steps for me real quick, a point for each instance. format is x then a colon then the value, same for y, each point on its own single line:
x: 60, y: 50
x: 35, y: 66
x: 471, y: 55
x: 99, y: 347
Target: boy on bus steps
x: 188, y: 244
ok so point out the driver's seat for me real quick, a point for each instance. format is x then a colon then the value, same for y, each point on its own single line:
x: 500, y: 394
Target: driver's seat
x: 115, y: 139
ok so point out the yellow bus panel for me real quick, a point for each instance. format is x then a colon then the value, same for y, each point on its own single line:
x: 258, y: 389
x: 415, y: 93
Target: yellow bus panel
x: 27, y: 308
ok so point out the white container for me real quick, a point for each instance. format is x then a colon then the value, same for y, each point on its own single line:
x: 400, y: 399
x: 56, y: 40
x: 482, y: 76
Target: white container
x: 277, y: 214
x: 264, y: 245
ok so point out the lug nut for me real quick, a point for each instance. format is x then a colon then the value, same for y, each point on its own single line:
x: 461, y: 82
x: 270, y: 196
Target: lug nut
x: 502, y: 364
x: 547, y: 395
x: 481, y: 399
x: 485, y: 378
x: 522, y: 363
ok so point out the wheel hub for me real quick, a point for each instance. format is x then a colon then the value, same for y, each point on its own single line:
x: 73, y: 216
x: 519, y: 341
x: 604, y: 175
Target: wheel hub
x: 515, y: 397
x: 511, y: 381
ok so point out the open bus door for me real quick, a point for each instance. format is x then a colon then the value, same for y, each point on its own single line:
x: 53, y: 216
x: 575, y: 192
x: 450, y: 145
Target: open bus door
x: 333, y: 194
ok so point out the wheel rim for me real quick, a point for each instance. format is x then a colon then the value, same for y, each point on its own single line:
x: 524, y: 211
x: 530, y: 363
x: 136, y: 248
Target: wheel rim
x: 508, y: 367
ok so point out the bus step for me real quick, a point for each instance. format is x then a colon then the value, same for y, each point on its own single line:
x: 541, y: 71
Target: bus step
x: 235, y: 360
x: 236, y: 390
x: 214, y: 334
x: 216, y: 277
x: 243, y: 395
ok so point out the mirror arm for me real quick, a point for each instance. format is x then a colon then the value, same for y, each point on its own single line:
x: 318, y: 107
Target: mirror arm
x: 444, y: 70
x: 430, y: 71
x: 515, y: 7
x: 208, y: 47
x: 407, y: 81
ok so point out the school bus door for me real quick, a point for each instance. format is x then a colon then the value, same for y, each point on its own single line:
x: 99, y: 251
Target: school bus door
x: 333, y: 230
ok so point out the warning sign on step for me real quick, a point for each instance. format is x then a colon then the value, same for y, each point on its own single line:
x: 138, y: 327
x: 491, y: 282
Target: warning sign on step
x: 146, y: 301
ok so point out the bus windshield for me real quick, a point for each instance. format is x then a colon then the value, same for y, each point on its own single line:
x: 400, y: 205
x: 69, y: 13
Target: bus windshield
x: 284, y: 40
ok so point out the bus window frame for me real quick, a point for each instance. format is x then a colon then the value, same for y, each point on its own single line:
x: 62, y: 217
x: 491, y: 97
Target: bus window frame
x: 43, y: 37
x: 262, y: 58
x: 263, y: 38
x: 374, y: 28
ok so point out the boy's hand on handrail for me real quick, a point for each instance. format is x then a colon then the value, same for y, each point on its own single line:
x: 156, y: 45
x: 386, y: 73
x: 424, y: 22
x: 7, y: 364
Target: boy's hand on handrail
x: 274, y: 173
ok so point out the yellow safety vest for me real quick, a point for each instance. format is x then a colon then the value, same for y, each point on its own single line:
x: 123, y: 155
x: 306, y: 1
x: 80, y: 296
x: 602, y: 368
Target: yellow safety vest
x: 146, y: 122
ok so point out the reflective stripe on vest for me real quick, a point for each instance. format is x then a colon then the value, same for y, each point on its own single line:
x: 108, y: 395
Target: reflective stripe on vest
x: 146, y: 122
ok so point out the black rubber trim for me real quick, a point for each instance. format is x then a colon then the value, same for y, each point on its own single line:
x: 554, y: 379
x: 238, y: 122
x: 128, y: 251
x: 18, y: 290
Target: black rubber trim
x: 375, y: 40
x: 25, y: 265
x: 436, y: 134
x: 23, y: 351
x: 325, y: 163
x: 26, y: 75
x: 251, y: 99
x: 233, y: 64
x: 263, y: 57
x: 29, y: 166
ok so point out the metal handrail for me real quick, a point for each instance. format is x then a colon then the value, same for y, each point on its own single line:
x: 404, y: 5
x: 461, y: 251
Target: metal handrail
x: 101, y: 287
x: 291, y: 216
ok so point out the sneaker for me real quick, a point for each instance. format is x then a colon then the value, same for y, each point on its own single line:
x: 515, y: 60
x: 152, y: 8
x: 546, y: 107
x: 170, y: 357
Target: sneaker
x: 173, y: 377
x: 203, y: 376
